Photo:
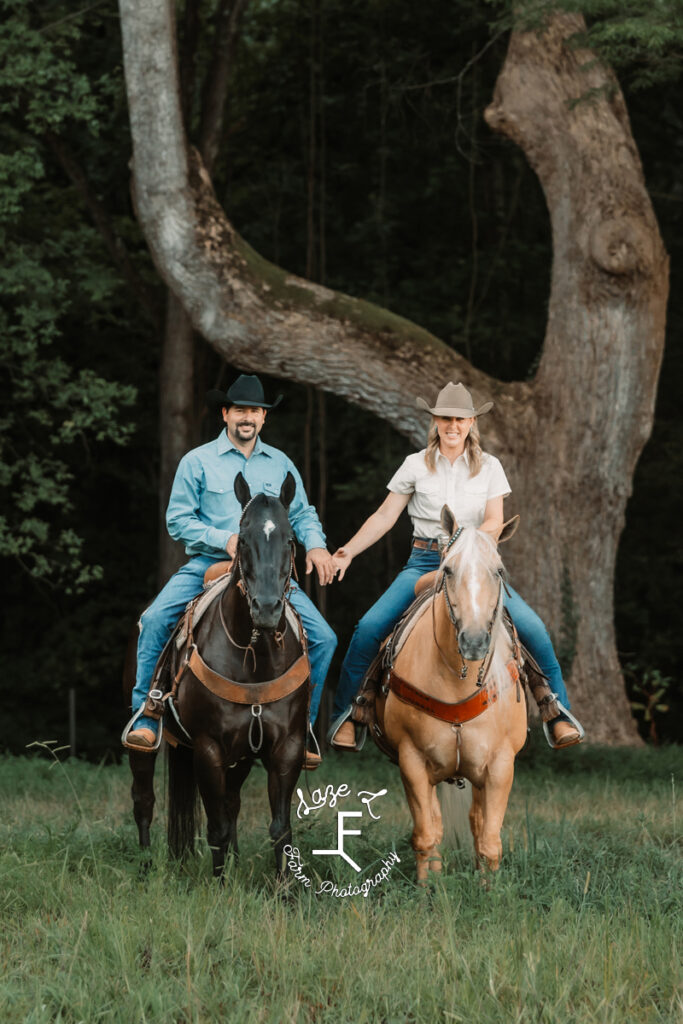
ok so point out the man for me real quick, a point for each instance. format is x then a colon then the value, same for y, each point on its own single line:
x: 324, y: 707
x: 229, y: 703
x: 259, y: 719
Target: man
x: 204, y: 513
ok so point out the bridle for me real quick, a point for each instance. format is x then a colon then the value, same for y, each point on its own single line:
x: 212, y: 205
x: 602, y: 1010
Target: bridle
x: 244, y: 590
x: 442, y: 587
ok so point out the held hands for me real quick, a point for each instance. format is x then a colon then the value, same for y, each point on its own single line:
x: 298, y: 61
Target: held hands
x: 324, y: 564
x: 342, y: 560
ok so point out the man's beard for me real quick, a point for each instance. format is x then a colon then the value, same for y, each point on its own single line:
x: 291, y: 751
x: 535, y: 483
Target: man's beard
x: 245, y: 431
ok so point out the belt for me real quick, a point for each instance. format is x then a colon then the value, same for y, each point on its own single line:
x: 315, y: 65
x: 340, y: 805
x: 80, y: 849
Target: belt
x: 426, y: 545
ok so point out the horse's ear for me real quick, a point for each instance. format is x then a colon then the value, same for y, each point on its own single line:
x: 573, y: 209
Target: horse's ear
x: 448, y: 521
x: 508, y: 529
x: 242, y: 492
x: 288, y: 490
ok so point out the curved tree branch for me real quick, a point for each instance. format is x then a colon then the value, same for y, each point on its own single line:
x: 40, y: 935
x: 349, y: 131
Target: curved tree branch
x: 253, y: 312
x: 570, y: 439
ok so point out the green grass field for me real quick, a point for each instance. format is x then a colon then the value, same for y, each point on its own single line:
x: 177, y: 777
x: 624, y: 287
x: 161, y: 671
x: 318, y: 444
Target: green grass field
x: 581, y: 924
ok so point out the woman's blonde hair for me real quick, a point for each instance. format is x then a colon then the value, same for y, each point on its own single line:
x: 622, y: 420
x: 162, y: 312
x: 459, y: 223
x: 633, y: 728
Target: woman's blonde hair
x: 472, y: 447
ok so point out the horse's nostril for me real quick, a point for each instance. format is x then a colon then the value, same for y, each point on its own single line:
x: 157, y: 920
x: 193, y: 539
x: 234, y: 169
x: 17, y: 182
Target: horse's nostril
x: 473, y: 643
x: 266, y: 613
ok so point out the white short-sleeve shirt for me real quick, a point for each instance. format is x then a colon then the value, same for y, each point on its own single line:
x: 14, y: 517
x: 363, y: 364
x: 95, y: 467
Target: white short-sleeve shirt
x: 451, y: 485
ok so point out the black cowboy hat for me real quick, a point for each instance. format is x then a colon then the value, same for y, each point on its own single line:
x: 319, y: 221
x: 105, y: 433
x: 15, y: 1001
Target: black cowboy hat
x: 247, y: 390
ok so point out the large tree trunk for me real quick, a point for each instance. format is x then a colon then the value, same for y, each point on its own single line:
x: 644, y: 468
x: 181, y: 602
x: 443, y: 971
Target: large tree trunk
x: 569, y: 440
x: 594, y: 394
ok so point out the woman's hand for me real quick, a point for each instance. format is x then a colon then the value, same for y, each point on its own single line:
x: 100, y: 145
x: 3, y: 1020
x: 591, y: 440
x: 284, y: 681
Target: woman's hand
x: 321, y: 560
x: 372, y: 529
x: 342, y: 560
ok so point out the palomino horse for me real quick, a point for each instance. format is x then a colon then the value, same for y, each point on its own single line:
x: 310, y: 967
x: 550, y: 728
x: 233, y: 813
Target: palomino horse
x: 464, y: 714
x: 240, y: 693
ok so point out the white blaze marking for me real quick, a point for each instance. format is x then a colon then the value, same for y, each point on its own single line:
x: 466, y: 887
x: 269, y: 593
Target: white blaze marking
x: 474, y: 593
x: 268, y: 528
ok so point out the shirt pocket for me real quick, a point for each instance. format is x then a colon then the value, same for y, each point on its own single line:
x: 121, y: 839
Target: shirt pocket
x: 472, y: 501
x: 428, y: 486
x: 476, y: 487
x: 216, y: 497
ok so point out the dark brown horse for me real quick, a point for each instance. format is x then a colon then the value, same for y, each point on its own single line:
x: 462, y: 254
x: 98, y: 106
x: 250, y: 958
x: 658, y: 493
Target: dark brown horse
x: 246, y: 645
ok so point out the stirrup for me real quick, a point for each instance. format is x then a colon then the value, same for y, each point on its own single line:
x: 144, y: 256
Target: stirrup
x: 361, y: 730
x: 570, y: 718
x: 315, y: 740
x: 128, y: 727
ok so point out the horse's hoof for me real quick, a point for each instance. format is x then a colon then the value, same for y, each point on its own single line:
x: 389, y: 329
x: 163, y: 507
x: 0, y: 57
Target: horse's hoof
x: 286, y: 896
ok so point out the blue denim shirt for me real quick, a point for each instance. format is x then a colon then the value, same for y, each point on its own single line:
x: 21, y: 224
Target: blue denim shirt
x: 203, y: 511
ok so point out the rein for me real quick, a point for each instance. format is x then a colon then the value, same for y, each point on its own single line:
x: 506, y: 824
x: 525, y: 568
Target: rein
x: 278, y: 636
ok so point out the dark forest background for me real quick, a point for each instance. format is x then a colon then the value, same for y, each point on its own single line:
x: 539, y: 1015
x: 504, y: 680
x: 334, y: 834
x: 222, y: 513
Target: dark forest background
x: 354, y: 153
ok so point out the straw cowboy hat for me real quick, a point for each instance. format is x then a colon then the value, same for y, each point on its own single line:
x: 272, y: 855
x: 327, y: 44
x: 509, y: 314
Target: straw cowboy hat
x: 247, y: 390
x: 454, y: 400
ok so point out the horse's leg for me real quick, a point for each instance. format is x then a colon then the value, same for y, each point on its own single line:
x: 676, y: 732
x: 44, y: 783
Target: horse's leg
x: 280, y: 789
x: 142, y: 791
x: 233, y: 800
x: 435, y: 861
x: 477, y: 816
x: 421, y: 794
x: 212, y: 782
x: 495, y: 800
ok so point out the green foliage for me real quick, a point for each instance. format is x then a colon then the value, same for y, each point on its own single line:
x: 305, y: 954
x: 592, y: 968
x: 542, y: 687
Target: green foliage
x: 641, y: 40
x: 649, y: 688
x: 53, y: 407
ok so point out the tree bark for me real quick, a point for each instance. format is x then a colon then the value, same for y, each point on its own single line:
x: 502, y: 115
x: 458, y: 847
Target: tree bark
x: 569, y: 440
x: 594, y: 394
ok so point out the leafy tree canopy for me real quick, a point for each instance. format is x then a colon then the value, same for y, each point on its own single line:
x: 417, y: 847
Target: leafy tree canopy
x: 55, y: 404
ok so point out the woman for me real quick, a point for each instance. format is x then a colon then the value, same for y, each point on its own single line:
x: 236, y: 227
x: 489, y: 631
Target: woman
x: 451, y: 470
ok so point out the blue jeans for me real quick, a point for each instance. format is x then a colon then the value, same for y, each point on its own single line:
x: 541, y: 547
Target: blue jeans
x: 379, y: 620
x: 157, y: 622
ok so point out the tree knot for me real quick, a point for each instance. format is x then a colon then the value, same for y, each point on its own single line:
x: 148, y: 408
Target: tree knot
x: 622, y: 245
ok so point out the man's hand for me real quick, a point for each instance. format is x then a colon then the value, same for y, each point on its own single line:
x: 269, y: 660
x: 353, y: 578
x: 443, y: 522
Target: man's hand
x: 342, y: 559
x: 231, y: 546
x: 324, y: 564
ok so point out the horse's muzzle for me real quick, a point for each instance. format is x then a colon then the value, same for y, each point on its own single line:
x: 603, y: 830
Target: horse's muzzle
x: 266, y: 614
x: 474, y: 644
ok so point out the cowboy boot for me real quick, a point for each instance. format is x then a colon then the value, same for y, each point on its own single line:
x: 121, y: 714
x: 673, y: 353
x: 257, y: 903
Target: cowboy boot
x: 146, y: 736
x: 561, y: 728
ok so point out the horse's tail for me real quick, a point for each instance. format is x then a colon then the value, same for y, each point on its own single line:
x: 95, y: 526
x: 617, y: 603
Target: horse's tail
x: 455, y: 808
x: 182, y: 801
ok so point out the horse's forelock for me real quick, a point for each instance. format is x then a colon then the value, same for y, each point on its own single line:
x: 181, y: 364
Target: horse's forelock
x: 265, y: 512
x: 474, y: 550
